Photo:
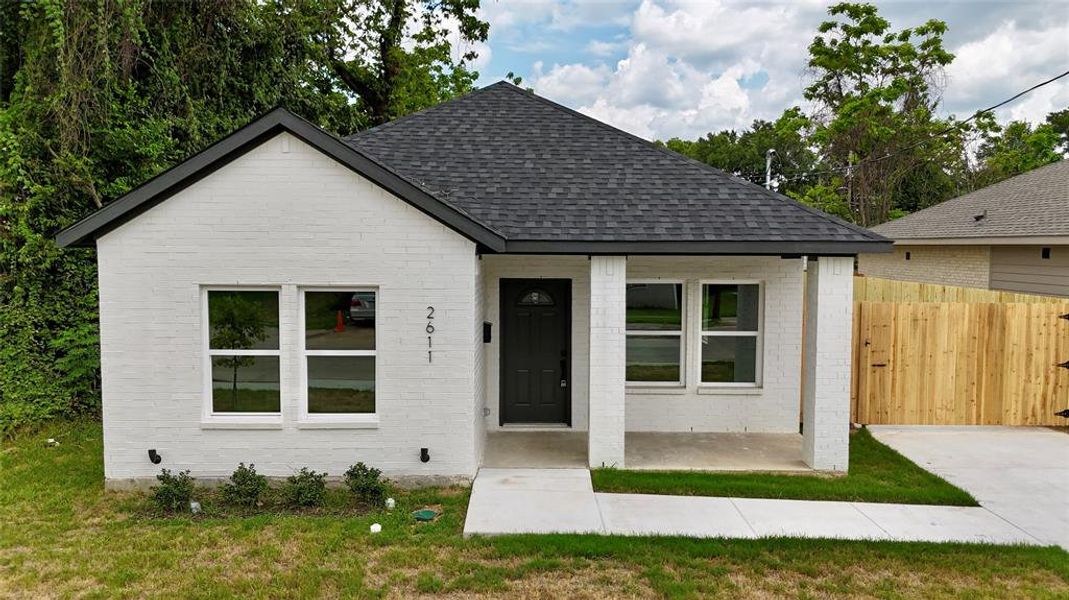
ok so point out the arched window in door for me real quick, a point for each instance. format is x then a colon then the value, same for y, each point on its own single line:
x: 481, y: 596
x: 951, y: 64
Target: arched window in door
x: 536, y: 297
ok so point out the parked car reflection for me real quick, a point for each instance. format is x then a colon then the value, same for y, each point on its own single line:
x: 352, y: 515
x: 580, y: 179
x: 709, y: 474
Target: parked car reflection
x: 362, y: 307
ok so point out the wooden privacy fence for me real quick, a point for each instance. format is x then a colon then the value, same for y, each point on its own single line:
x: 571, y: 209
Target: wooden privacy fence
x: 876, y: 289
x: 960, y: 363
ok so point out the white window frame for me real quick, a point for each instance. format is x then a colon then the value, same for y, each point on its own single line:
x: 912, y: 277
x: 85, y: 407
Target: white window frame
x: 759, y: 334
x: 209, y: 415
x: 680, y: 333
x: 312, y: 419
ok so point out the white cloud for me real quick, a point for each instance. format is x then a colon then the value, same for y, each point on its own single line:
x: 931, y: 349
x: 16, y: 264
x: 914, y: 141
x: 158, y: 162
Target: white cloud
x: 604, y: 49
x: 503, y: 15
x: 681, y: 72
x: 680, y: 62
x: 563, y: 15
x: 583, y: 13
x: 717, y: 33
x: 650, y: 94
x: 572, y: 84
x: 1010, y: 59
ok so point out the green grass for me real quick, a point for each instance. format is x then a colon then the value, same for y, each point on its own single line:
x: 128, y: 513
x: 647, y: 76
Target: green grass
x: 227, y: 399
x: 877, y: 474
x: 61, y: 535
x: 663, y: 318
x: 653, y: 372
x: 321, y: 400
x: 340, y: 400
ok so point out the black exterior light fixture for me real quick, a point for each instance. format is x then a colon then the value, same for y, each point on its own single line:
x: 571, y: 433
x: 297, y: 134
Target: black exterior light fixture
x: 154, y: 456
x: 424, y: 455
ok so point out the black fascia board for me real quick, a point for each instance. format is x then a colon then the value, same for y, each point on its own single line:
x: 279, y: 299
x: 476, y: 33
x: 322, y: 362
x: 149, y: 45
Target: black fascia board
x: 698, y: 248
x: 209, y: 160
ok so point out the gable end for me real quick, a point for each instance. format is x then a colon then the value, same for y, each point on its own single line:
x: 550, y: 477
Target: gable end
x: 211, y: 159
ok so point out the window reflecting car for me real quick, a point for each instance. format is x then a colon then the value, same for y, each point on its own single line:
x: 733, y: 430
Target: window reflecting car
x: 362, y: 307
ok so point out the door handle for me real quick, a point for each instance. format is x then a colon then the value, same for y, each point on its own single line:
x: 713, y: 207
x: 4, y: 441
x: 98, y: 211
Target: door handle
x: 563, y: 369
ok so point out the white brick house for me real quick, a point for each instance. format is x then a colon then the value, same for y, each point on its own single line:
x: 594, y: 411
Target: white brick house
x: 292, y: 299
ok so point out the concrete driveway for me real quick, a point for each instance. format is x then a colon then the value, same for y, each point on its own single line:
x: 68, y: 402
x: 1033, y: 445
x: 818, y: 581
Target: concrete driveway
x: 1019, y: 473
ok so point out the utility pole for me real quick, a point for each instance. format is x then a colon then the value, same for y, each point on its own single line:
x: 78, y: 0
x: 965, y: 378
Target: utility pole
x: 768, y: 168
x: 850, y: 189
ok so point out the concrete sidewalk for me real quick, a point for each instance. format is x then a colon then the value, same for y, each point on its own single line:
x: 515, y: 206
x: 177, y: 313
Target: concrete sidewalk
x: 507, y: 501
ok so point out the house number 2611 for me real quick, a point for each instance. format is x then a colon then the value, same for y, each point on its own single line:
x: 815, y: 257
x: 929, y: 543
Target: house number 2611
x: 430, y: 331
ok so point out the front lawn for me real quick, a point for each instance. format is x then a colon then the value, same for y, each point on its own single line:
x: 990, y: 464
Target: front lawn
x: 877, y: 474
x: 62, y: 536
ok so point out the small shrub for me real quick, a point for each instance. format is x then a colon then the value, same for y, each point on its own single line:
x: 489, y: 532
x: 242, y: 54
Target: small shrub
x: 306, y: 488
x: 365, y: 482
x: 245, y: 488
x: 174, y: 491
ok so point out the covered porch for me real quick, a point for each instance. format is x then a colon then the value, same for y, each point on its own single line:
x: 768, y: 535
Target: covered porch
x: 652, y: 451
x: 667, y: 362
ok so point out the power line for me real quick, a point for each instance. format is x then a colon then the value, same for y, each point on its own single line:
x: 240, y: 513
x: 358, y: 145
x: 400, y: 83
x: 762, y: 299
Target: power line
x: 950, y: 129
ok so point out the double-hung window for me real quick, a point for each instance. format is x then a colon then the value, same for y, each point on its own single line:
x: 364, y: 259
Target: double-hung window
x: 243, y: 351
x: 731, y: 333
x: 655, y: 333
x: 338, y: 348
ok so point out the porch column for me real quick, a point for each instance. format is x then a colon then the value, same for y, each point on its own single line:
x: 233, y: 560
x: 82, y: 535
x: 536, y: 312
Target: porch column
x: 826, y: 396
x: 608, y: 302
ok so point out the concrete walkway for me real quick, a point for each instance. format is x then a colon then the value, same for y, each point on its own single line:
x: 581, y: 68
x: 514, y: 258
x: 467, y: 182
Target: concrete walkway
x: 507, y: 501
x: 1019, y: 473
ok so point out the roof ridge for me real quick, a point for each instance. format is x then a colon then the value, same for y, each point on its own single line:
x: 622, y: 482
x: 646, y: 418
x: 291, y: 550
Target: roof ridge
x: 677, y: 156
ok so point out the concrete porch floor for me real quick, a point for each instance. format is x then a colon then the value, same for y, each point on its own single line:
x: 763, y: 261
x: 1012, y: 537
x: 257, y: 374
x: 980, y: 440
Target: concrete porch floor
x: 649, y: 451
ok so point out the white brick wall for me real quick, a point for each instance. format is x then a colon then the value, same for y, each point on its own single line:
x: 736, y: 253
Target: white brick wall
x: 479, y: 374
x: 826, y: 410
x: 774, y: 405
x: 284, y: 215
x: 608, y: 279
x: 967, y: 266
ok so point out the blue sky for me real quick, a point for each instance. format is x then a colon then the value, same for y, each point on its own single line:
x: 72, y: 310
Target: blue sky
x: 664, y: 68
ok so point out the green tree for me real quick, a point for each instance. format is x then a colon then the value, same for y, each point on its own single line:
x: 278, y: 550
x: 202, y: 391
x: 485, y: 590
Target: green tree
x: 237, y: 323
x: 827, y: 197
x: 396, y: 56
x: 1014, y: 149
x: 98, y: 96
x: 1059, y: 122
x: 876, y: 91
x: 743, y: 153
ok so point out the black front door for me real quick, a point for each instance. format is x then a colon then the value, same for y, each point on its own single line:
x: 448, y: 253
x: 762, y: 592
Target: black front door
x: 535, y: 350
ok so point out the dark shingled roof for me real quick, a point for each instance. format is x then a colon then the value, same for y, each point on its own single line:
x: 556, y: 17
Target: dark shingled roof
x: 536, y: 171
x: 1031, y: 204
x: 519, y: 174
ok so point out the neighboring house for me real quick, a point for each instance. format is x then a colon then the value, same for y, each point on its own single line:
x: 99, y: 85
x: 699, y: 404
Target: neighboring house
x: 289, y: 298
x: 1013, y: 235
